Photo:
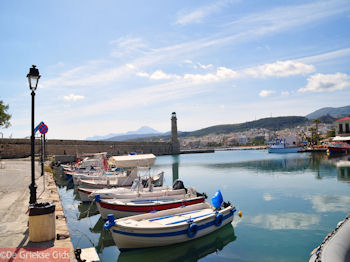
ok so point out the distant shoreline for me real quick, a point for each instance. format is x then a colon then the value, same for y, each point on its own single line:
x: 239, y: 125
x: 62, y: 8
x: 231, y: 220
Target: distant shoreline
x: 242, y: 148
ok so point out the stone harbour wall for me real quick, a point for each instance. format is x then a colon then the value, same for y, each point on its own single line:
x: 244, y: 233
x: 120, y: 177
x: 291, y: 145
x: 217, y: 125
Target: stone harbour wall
x: 15, y: 148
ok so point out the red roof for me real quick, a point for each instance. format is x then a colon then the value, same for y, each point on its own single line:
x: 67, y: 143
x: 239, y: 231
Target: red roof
x: 344, y: 118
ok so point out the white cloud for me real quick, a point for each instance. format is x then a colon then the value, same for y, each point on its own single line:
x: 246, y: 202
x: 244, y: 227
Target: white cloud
x: 326, y: 56
x: 128, y: 46
x: 160, y: 75
x: 197, y: 15
x: 284, y: 221
x: 287, y: 17
x: 142, y: 74
x: 266, y: 93
x: 285, y: 93
x: 169, y: 91
x: 73, y: 97
x: 198, y: 65
x: 221, y: 74
x: 205, y: 66
x: 326, y: 82
x: 92, y: 74
x: 280, y: 69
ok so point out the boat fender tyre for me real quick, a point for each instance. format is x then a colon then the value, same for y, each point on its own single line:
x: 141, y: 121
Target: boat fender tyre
x: 192, y: 230
x: 218, y: 219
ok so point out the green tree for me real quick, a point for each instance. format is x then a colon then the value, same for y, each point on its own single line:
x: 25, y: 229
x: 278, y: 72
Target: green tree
x: 331, y: 133
x: 4, y: 116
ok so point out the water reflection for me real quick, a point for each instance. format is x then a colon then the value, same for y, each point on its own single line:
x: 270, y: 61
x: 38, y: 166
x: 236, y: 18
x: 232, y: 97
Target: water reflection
x: 343, y: 169
x: 105, y: 238
x: 283, y: 221
x: 189, y: 251
x: 317, y: 162
x: 87, y: 210
x: 175, y: 167
x: 284, y: 198
x: 330, y: 203
x: 285, y: 163
x: 61, y: 180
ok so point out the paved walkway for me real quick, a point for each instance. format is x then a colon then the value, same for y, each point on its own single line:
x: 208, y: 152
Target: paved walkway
x: 15, y: 177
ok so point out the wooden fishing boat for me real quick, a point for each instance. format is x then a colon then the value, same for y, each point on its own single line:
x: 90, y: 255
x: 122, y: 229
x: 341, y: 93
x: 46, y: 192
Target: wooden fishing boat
x: 87, y: 195
x: 120, y: 181
x: 169, y: 226
x: 103, y: 175
x: 338, y: 148
x: 88, y: 164
x: 136, y: 191
x: 188, y: 251
x: 129, y: 207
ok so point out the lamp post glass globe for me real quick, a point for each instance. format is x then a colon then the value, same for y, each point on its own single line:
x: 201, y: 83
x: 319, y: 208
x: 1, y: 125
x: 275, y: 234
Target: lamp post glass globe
x: 33, y: 77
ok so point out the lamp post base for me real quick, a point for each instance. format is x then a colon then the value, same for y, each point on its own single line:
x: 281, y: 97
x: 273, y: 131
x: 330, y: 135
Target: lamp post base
x: 32, y: 189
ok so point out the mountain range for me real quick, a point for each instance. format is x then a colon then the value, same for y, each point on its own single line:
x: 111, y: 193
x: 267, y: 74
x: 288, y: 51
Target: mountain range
x: 336, y: 112
x: 145, y: 133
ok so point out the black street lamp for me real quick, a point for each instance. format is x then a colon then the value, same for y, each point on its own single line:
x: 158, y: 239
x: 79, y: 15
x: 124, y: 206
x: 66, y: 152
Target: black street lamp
x: 33, y: 79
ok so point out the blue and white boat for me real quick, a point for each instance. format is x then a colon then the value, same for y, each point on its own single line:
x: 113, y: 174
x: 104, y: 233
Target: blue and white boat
x: 169, y: 226
x: 281, y: 146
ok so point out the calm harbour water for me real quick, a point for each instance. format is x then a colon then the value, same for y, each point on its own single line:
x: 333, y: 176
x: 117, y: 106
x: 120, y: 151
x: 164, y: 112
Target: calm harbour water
x: 290, y: 202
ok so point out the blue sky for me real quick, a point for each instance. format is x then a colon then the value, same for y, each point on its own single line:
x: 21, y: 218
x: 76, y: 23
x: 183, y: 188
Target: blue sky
x: 114, y: 66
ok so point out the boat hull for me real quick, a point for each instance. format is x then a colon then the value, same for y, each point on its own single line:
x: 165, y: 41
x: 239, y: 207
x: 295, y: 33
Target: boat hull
x: 124, y: 193
x: 124, y: 210
x: 333, y: 151
x: 284, y: 150
x: 131, y: 238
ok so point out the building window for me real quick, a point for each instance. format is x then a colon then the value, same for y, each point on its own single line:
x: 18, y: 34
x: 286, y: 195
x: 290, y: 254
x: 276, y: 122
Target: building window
x: 340, y: 128
x: 347, y: 128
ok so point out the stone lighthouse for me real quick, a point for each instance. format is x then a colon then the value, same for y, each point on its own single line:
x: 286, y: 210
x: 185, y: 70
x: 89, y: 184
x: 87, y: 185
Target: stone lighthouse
x: 174, y: 140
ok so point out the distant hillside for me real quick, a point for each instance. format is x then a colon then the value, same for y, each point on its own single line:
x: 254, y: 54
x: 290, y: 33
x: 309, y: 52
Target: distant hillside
x: 143, y: 131
x: 336, y: 112
x: 327, y: 119
x: 272, y: 123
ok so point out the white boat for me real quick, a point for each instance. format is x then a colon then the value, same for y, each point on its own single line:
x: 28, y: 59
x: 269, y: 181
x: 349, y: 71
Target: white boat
x: 129, y: 207
x: 120, y: 181
x: 120, y: 178
x: 280, y: 146
x: 169, y: 226
x: 103, y: 175
x: 135, y: 192
x: 96, y: 160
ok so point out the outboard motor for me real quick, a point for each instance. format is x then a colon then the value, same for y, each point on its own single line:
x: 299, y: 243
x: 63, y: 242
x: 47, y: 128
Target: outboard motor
x: 178, y: 184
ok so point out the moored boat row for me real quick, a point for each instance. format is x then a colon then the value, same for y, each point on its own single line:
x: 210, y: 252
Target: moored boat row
x: 158, y: 215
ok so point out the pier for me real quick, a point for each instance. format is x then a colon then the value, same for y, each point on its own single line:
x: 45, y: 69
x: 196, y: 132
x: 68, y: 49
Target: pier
x: 14, y: 202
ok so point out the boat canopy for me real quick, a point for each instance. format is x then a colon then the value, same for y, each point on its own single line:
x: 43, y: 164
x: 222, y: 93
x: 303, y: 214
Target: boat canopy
x: 341, y: 138
x: 132, y: 160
